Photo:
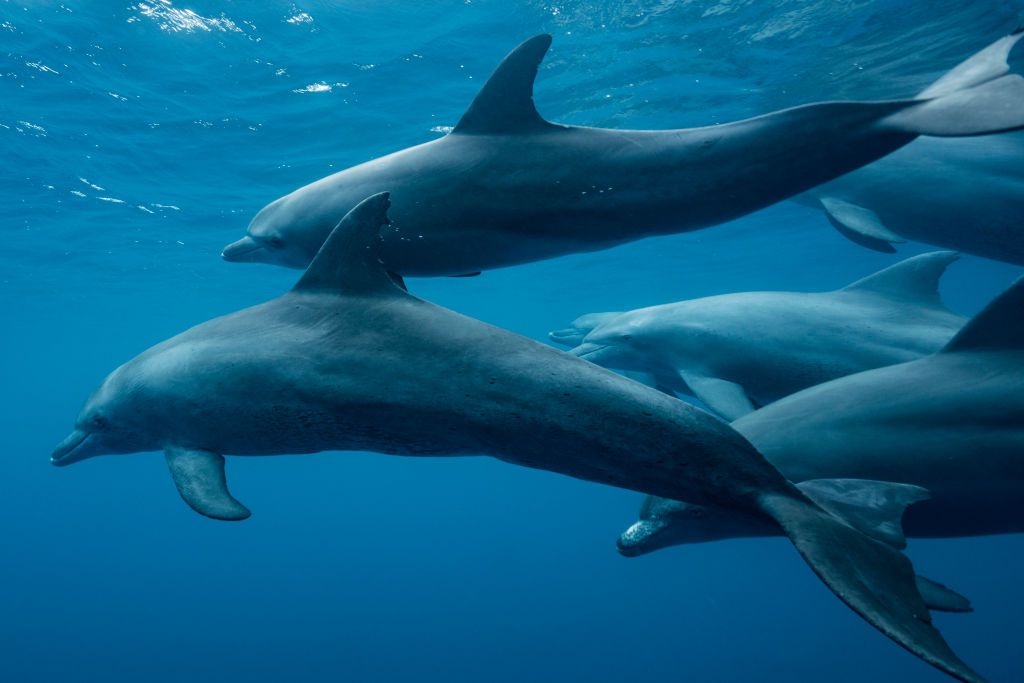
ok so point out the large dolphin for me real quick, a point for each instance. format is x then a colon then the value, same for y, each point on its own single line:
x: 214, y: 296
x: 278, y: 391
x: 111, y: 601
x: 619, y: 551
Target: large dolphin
x: 348, y: 360
x: 507, y: 187
x: 738, y: 351
x: 965, y: 194
x: 952, y: 423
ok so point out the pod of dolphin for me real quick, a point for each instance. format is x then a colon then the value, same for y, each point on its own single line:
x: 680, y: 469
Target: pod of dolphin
x: 847, y: 436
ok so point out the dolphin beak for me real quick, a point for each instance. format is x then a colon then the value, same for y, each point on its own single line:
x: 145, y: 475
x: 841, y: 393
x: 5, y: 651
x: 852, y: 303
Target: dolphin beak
x: 636, y: 540
x: 245, y: 250
x: 566, y: 337
x: 77, y: 446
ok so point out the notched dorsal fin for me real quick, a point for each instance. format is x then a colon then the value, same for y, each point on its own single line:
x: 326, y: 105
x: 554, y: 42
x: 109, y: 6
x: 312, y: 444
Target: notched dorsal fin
x: 915, y: 279
x: 999, y: 326
x: 349, y: 261
x: 505, y: 103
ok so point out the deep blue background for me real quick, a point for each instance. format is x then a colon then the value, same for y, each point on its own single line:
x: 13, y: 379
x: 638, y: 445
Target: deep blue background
x: 361, y: 567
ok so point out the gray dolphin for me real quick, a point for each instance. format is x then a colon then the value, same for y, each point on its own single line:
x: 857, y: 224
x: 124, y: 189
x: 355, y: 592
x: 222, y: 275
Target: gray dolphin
x: 507, y: 187
x: 931, y: 190
x: 348, y: 360
x: 952, y: 423
x: 736, y: 351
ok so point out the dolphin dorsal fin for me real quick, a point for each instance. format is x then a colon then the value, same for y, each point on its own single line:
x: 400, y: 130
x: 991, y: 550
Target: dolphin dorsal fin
x: 505, y: 103
x: 999, y: 326
x: 915, y: 279
x: 349, y: 261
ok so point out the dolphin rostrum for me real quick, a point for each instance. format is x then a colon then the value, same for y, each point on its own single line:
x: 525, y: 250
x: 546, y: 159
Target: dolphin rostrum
x: 348, y: 360
x: 738, y: 351
x: 952, y: 422
x: 507, y: 187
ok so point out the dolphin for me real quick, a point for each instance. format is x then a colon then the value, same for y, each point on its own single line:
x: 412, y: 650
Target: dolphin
x: 738, y: 351
x: 349, y: 360
x: 931, y: 190
x: 952, y: 422
x: 507, y: 187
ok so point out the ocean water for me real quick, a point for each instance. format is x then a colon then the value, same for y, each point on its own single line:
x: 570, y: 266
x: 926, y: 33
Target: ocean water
x: 139, y: 138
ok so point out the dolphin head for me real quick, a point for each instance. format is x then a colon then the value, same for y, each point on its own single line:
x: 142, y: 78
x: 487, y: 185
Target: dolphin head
x: 622, y: 342
x: 580, y: 327
x: 664, y: 523
x: 280, y: 234
x: 108, y: 423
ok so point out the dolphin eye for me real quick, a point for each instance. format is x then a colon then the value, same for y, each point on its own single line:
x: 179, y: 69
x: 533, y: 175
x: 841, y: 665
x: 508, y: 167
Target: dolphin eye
x: 98, y: 421
x: 276, y: 242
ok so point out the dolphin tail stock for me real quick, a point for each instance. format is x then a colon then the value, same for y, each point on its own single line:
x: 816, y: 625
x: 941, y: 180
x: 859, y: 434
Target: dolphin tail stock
x: 873, y: 579
x: 977, y: 97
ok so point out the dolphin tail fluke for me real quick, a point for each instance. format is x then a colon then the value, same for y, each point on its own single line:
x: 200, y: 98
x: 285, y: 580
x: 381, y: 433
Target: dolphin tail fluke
x: 978, y: 97
x: 872, y: 578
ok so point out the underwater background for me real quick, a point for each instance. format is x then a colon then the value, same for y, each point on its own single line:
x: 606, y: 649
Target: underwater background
x: 138, y: 139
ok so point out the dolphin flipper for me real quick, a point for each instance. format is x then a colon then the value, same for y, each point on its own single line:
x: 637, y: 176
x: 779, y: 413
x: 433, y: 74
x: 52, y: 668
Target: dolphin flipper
x: 939, y: 598
x: 727, y: 399
x: 859, y: 225
x: 872, y: 578
x: 199, y: 476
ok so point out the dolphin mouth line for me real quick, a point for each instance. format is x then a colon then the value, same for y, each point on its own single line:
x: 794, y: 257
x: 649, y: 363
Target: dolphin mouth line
x: 66, y: 451
x: 588, y: 352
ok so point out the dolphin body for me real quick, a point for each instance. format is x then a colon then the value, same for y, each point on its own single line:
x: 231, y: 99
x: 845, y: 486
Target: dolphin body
x: 952, y: 423
x: 738, y: 351
x: 348, y: 360
x: 507, y: 187
x: 931, y: 190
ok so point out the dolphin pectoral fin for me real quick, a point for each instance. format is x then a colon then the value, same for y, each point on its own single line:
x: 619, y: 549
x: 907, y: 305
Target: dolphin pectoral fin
x: 872, y: 578
x: 727, y: 399
x: 874, y: 508
x: 504, y: 104
x: 860, y: 225
x: 199, y: 476
x: 939, y: 598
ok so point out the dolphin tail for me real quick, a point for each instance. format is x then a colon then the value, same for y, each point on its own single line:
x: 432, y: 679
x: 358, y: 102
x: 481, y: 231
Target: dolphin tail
x: 872, y: 578
x: 977, y: 97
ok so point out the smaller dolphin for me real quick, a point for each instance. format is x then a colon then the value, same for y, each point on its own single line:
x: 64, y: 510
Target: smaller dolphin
x: 952, y: 422
x: 507, y: 187
x: 738, y: 351
x: 931, y: 190
x: 348, y: 360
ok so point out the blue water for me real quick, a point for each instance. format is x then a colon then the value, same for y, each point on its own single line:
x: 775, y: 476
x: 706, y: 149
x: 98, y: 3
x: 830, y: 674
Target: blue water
x: 140, y: 138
